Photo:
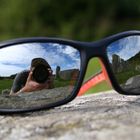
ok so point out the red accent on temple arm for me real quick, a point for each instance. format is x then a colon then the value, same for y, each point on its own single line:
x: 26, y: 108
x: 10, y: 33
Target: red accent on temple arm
x: 94, y: 80
x: 105, y: 72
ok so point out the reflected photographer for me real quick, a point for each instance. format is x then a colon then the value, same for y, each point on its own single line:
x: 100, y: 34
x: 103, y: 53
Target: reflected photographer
x: 37, y: 78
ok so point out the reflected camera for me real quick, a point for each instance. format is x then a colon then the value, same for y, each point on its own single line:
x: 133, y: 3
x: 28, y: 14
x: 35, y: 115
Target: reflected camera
x: 41, y: 73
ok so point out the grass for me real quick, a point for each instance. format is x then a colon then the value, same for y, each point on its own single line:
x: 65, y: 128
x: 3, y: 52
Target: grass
x: 61, y: 83
x: 103, y: 86
x: 122, y: 77
x: 5, y: 84
x: 93, y: 68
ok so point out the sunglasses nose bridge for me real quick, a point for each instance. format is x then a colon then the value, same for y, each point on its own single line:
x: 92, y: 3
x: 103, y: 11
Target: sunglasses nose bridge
x: 95, y: 50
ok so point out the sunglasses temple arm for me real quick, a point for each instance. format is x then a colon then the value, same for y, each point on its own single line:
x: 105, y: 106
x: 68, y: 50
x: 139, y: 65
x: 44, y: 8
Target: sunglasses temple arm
x: 94, y: 80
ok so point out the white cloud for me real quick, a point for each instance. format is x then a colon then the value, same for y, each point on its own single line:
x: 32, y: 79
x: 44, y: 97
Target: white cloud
x: 126, y: 48
x: 17, y: 58
x: 20, y: 54
x: 129, y: 47
x: 7, y: 70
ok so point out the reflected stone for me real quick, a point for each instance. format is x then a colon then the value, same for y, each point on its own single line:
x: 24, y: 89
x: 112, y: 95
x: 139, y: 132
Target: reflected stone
x: 35, y: 99
x: 57, y: 72
x: 118, y: 64
x: 133, y: 84
x: 69, y: 74
x: 5, y: 92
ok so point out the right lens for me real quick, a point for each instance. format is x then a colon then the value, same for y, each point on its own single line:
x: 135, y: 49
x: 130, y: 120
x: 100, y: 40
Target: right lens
x: 124, y: 58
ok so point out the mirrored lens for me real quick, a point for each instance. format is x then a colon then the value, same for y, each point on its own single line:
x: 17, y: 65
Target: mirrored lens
x: 37, y: 74
x: 124, y: 58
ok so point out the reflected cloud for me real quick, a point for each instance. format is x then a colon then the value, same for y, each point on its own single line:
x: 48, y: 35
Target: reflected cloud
x: 7, y: 70
x: 125, y: 48
x: 18, y: 57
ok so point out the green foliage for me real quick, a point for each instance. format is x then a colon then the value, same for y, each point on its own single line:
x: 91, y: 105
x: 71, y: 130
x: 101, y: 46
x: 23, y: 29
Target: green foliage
x: 80, y: 19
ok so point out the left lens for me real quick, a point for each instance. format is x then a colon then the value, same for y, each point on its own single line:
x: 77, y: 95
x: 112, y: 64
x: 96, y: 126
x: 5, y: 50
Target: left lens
x: 41, y: 74
x: 124, y: 59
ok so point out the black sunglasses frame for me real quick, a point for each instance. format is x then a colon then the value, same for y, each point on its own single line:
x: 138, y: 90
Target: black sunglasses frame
x: 87, y: 51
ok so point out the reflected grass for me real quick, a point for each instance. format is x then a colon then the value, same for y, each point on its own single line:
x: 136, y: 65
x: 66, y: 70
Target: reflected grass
x: 5, y: 84
x: 61, y: 83
x: 122, y: 77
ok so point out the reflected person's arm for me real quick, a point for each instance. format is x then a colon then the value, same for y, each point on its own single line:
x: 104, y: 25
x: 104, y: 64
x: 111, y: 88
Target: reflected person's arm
x: 19, y: 82
x: 32, y: 85
x: 29, y: 85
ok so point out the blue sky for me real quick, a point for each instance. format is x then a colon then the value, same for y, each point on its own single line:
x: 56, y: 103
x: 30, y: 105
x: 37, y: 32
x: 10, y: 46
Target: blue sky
x: 18, y: 57
x: 125, y: 48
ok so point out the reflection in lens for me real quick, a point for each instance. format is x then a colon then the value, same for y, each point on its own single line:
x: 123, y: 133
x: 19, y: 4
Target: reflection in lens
x: 124, y: 58
x: 37, y: 74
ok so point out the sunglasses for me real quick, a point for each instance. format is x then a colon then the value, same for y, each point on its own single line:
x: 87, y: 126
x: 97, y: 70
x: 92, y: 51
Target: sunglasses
x: 24, y: 89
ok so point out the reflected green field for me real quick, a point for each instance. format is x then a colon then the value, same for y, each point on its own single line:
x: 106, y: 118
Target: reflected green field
x: 5, y: 84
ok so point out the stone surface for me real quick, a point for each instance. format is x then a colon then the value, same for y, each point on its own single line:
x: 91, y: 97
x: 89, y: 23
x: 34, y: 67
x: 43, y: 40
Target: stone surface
x: 102, y: 116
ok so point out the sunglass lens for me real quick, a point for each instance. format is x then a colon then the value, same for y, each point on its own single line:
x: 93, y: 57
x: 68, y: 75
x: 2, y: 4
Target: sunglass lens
x: 124, y: 59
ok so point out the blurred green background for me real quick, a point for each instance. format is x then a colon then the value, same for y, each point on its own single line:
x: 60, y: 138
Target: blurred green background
x: 85, y: 20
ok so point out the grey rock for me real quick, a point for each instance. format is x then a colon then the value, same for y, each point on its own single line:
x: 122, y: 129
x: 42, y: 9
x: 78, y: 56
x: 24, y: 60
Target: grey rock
x: 66, y: 74
x: 132, y: 84
x: 5, y: 92
x: 57, y: 72
x: 33, y: 99
x: 118, y: 64
x: 133, y: 81
x: 102, y: 116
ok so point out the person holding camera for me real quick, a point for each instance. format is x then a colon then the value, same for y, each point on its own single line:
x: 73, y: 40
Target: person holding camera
x: 37, y: 78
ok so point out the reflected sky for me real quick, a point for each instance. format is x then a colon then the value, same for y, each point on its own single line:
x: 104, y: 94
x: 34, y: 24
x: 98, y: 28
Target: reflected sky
x: 18, y: 57
x: 125, y: 48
